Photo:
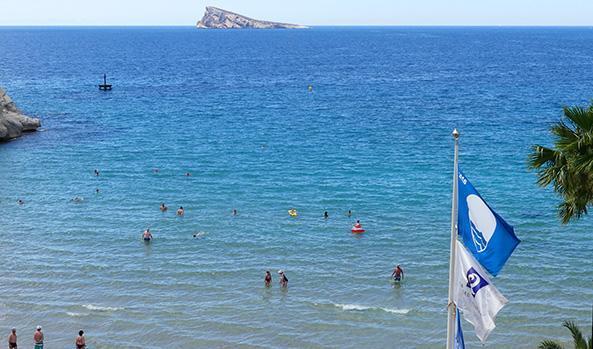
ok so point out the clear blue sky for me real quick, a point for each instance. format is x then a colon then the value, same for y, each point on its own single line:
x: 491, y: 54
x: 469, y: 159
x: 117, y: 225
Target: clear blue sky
x: 313, y: 12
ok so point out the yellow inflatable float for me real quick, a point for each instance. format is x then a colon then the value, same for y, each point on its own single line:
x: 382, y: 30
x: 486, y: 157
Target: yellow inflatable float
x: 292, y: 212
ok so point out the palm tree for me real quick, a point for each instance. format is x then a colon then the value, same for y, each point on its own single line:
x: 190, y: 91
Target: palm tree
x: 577, y: 336
x: 569, y: 165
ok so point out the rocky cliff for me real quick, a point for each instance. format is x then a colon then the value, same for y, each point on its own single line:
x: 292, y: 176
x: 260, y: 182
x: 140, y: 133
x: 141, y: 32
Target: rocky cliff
x: 216, y: 18
x: 12, y: 121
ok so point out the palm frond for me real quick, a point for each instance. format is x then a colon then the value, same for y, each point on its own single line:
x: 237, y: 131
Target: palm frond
x: 579, y: 117
x: 577, y: 335
x: 568, y: 166
x: 549, y: 344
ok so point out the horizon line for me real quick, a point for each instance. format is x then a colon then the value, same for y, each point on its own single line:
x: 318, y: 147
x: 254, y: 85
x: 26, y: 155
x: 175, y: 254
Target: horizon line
x: 309, y: 25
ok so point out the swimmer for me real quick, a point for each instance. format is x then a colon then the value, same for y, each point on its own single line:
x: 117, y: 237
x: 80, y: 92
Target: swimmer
x: 20, y: 202
x: 357, y: 225
x: 187, y: 174
x: 12, y: 339
x: 97, y: 191
x: 96, y: 173
x: 349, y: 214
x: 163, y: 208
x: 180, y: 211
x: 268, y: 279
x: 398, y: 273
x: 325, y: 215
x: 80, y: 340
x: 156, y: 170
x: 283, y: 279
x: 147, y: 235
x: 235, y: 212
x: 199, y: 234
x: 77, y: 199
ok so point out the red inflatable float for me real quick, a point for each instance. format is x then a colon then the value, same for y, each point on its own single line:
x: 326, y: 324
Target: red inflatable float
x: 357, y: 228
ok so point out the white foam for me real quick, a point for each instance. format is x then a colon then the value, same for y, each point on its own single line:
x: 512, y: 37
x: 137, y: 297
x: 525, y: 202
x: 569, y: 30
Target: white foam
x: 99, y: 308
x: 357, y: 307
x: 75, y: 314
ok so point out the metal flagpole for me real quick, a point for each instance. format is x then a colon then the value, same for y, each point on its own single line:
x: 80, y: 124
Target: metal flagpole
x: 450, y: 304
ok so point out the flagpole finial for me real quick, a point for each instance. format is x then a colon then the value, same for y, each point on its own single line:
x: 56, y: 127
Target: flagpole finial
x: 455, y: 134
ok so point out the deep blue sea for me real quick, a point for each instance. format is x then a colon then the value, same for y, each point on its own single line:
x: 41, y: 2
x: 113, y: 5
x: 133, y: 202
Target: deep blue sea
x: 233, y: 109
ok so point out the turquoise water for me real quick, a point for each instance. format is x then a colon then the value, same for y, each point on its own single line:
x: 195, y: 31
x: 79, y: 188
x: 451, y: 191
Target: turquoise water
x: 232, y: 108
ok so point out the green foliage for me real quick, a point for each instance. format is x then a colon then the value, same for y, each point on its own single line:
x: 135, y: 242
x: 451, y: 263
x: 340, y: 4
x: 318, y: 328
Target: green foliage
x: 568, y: 167
x: 577, y: 336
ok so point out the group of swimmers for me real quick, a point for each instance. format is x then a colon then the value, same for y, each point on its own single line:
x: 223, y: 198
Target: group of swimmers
x: 397, y: 275
x: 38, y: 337
x: 281, y: 274
x: 180, y: 211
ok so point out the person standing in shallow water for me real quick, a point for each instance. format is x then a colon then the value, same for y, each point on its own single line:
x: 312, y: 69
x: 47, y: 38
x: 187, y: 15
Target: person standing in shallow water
x: 398, y: 273
x: 12, y: 339
x: 283, y: 279
x: 180, y: 211
x: 268, y: 279
x: 147, y: 235
x: 38, y: 338
x: 80, y: 340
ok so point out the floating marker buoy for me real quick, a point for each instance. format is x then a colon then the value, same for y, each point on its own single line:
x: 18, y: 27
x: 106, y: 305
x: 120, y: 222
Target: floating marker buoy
x: 105, y: 86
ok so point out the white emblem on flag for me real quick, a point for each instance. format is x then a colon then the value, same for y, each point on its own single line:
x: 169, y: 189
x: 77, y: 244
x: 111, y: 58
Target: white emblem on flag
x: 483, y: 222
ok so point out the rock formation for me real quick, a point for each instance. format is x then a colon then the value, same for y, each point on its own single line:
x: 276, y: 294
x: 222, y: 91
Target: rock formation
x: 12, y: 121
x: 216, y: 18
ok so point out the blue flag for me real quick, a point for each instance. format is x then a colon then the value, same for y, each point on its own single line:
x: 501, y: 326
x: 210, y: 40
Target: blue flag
x: 459, y: 343
x: 485, y: 234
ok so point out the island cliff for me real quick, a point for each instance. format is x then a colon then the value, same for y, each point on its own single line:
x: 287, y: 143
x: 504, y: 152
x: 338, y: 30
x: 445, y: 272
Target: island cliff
x: 12, y: 121
x: 216, y: 18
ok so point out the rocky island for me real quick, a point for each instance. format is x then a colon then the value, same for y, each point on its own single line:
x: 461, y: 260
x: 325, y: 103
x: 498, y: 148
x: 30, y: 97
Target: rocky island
x: 12, y: 121
x: 216, y: 18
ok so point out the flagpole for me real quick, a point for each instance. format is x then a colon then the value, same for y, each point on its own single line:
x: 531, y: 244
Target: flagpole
x: 450, y: 304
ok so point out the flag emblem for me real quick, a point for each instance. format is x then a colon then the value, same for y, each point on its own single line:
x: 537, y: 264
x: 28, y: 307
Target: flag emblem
x: 482, y: 221
x: 475, y: 281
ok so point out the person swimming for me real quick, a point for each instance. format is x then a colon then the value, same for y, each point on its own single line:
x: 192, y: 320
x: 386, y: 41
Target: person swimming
x: 147, y: 235
x: 398, y: 273
x: 268, y: 279
x: 97, y: 191
x: 187, y: 174
x: 235, y: 212
x: 349, y: 214
x: 325, y: 215
x: 20, y: 202
x: 96, y: 173
x: 283, y: 279
x: 357, y: 225
x: 163, y: 208
x: 180, y: 211
x: 77, y: 199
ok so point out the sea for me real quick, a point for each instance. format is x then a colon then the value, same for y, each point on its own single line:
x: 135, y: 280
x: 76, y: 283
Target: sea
x: 233, y: 109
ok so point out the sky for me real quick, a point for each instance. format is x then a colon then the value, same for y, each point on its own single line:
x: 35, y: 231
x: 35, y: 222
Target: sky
x: 311, y: 12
